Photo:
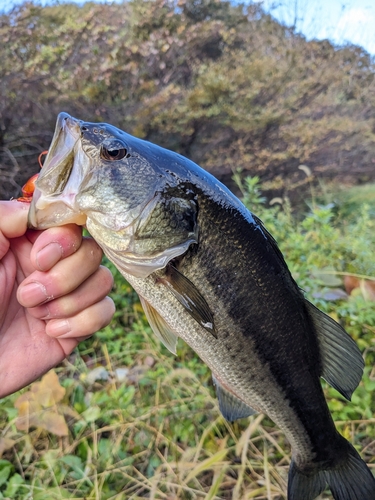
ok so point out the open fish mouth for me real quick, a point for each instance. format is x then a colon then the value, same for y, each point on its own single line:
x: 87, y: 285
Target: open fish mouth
x: 58, y: 183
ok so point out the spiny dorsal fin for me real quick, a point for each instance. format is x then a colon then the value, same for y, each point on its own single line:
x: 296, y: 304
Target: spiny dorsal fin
x: 231, y: 407
x: 161, y: 329
x: 189, y: 296
x: 342, y: 360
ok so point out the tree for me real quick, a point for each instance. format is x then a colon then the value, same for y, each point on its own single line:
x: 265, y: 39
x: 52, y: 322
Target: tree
x: 224, y: 84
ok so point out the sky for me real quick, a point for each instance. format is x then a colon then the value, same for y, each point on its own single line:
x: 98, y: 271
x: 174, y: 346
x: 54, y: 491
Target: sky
x: 341, y: 21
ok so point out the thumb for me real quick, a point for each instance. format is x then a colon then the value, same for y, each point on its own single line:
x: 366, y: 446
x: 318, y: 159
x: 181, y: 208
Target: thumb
x: 13, y: 218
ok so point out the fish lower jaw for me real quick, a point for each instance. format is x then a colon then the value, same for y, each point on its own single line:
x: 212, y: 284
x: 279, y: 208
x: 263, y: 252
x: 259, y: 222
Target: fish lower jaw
x: 54, y: 215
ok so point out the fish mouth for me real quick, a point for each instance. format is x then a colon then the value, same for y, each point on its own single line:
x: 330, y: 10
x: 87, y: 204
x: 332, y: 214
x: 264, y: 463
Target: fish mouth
x: 53, y: 202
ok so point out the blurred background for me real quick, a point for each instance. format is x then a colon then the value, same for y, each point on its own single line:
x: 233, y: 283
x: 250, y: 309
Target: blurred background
x: 261, y: 87
x: 277, y: 99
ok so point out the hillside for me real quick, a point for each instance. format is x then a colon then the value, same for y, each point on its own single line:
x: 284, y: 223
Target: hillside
x: 224, y: 85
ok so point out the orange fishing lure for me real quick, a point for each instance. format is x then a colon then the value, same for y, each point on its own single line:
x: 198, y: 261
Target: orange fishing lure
x: 29, y: 188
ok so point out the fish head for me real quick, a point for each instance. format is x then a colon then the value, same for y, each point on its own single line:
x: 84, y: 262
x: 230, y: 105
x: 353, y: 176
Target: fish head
x: 98, y: 176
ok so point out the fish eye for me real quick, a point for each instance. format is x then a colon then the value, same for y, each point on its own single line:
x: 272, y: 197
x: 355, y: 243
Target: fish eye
x: 113, y: 154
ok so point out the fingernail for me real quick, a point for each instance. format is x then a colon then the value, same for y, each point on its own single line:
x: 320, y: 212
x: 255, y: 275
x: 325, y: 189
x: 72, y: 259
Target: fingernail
x: 33, y: 294
x: 49, y: 255
x: 58, y: 328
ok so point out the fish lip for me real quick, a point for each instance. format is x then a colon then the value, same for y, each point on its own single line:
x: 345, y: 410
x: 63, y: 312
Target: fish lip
x: 62, y: 117
x: 69, y: 123
x: 66, y: 135
x: 67, y: 131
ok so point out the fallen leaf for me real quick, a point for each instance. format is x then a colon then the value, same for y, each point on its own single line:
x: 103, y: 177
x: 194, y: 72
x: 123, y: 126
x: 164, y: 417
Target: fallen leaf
x: 69, y: 411
x: 55, y: 423
x: 26, y: 397
x: 368, y: 289
x: 35, y: 407
x: 354, y: 286
x: 48, y: 391
x: 350, y: 283
x: 28, y: 415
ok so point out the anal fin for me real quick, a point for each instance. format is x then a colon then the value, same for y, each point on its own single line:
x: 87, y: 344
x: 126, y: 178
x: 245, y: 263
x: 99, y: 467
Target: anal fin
x: 159, y: 326
x: 231, y: 407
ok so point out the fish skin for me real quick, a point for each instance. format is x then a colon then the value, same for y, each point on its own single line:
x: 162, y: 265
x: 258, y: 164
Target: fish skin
x: 246, y: 336
x: 264, y: 349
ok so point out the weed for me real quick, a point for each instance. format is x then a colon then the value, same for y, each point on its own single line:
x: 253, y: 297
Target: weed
x: 124, y: 419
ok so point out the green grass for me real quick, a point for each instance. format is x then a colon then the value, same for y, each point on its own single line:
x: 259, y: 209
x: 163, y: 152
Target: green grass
x: 349, y: 200
x: 148, y: 425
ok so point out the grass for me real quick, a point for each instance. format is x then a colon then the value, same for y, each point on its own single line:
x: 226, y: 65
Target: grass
x: 348, y: 201
x: 124, y: 419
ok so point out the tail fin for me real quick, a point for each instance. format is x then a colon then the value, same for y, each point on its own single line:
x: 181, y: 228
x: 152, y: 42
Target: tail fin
x: 352, y: 480
x: 303, y: 487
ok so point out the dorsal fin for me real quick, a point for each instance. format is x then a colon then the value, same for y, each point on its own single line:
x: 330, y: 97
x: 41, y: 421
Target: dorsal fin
x: 341, y: 359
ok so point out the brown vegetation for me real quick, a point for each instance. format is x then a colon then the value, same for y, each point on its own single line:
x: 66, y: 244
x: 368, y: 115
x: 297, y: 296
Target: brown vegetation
x: 224, y: 85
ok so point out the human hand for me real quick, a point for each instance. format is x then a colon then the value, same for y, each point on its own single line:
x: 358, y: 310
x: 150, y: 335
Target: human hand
x: 53, y: 295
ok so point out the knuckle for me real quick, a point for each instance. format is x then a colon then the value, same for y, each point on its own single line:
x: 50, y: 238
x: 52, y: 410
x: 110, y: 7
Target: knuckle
x: 59, y: 308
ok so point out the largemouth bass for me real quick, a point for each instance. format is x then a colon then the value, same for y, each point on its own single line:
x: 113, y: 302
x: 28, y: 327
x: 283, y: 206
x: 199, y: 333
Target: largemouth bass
x: 207, y: 271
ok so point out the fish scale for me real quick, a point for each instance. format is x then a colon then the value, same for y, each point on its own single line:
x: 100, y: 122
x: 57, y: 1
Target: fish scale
x: 219, y: 356
x: 261, y: 321
x: 208, y: 271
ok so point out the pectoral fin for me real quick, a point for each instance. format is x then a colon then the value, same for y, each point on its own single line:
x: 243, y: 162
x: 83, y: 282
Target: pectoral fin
x: 189, y: 296
x: 161, y: 329
x: 231, y: 407
x: 341, y: 359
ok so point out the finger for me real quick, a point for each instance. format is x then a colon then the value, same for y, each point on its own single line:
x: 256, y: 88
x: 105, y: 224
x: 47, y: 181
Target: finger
x: 63, y: 278
x: 93, y: 290
x: 54, y: 244
x: 13, y: 218
x: 13, y: 221
x: 83, y: 324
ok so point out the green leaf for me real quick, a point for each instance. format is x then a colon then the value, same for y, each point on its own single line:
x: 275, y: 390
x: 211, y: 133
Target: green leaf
x: 52, y: 494
x: 6, y: 468
x: 13, y: 485
x: 72, y: 461
x: 91, y: 414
